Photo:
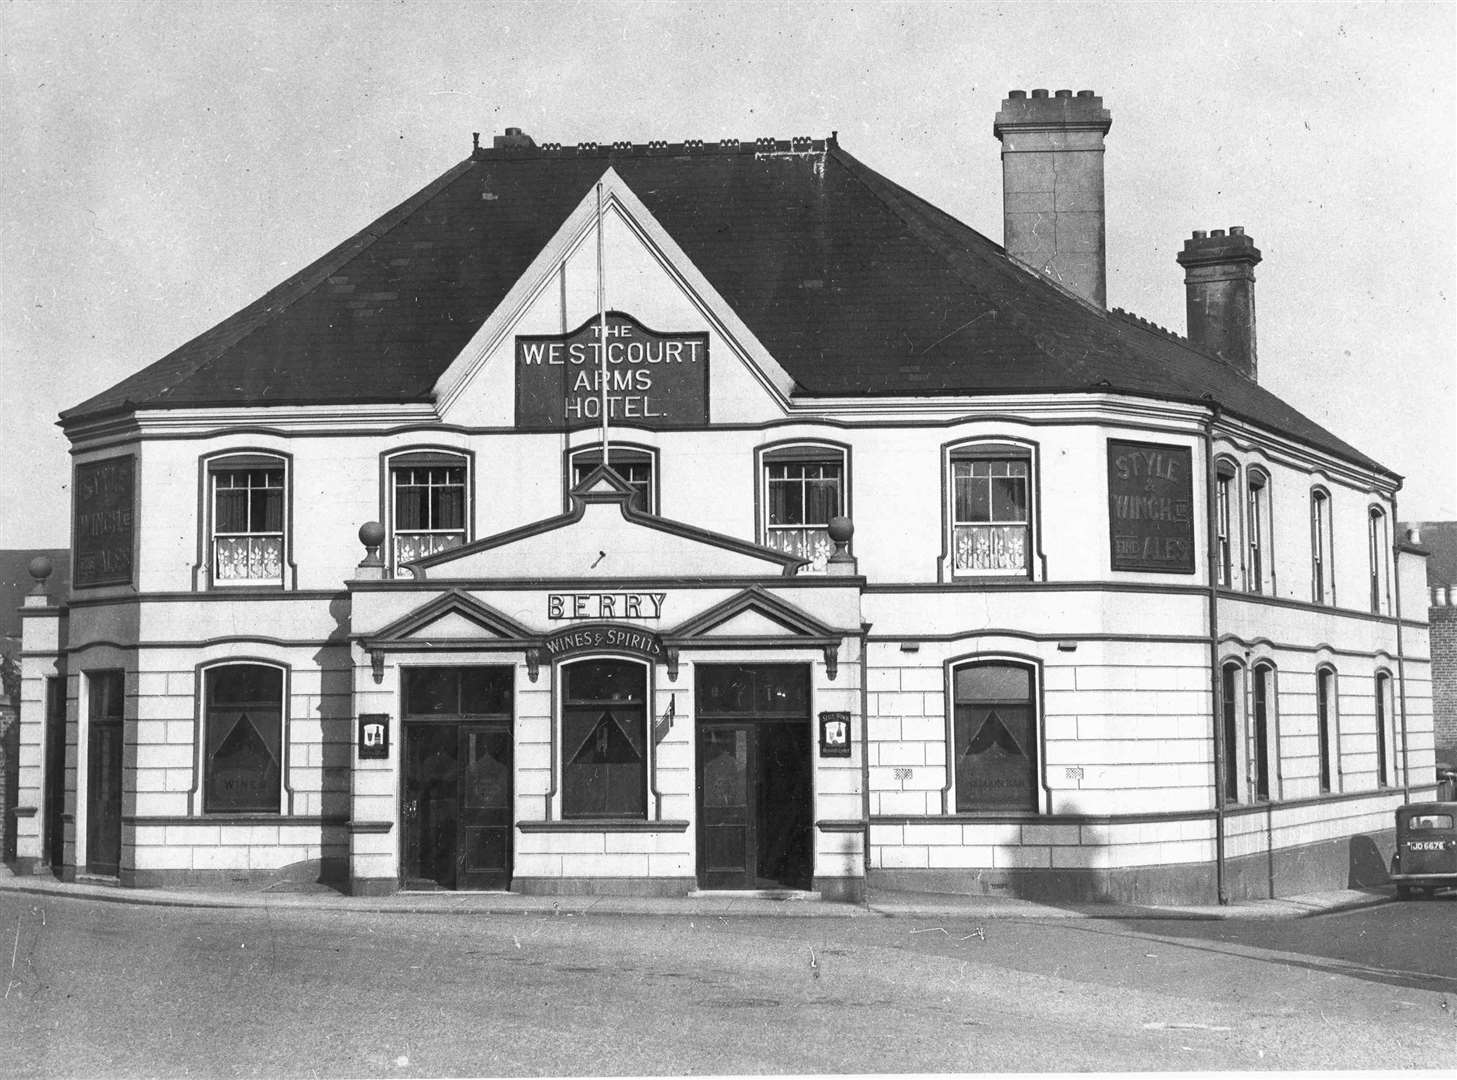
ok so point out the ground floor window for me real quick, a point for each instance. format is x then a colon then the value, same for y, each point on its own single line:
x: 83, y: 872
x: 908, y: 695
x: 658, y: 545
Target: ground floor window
x: 243, y: 732
x: 604, y: 739
x: 995, y: 736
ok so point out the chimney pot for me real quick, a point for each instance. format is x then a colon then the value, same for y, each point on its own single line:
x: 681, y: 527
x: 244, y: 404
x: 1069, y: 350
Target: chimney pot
x: 1052, y: 187
x: 1219, y: 285
x: 1236, y: 230
x: 1017, y: 95
x: 1200, y: 234
x: 1085, y: 93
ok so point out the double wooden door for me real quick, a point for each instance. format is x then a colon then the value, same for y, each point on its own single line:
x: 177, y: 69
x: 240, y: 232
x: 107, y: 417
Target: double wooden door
x: 456, y: 811
x: 755, y: 805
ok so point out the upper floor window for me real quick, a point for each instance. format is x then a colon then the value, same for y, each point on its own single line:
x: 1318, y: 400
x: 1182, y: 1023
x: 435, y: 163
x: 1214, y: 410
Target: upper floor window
x: 1323, y: 589
x: 994, y: 736
x: 803, y: 488
x: 1378, y: 544
x: 248, y: 512
x: 242, y: 738
x: 1223, y: 497
x: 1384, y: 712
x: 429, y: 508
x: 991, y: 513
x: 1260, y: 566
x: 604, y: 739
x: 633, y: 465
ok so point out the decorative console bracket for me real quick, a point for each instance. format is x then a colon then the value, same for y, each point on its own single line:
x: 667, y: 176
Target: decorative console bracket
x: 832, y: 661
x: 533, y: 664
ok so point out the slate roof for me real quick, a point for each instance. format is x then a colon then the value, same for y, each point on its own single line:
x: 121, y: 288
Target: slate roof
x: 854, y: 284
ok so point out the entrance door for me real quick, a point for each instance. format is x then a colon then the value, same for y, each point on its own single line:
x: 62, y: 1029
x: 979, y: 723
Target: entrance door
x: 456, y: 811
x: 103, y: 786
x: 457, y: 806
x: 55, y: 772
x: 483, y: 849
x: 755, y: 783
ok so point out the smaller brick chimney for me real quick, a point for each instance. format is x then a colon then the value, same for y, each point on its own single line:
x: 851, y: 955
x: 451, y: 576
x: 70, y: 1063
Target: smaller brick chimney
x: 514, y: 138
x: 1219, y: 283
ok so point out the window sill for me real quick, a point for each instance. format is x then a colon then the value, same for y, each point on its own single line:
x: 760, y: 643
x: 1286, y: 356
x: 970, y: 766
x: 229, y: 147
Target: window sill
x: 601, y: 825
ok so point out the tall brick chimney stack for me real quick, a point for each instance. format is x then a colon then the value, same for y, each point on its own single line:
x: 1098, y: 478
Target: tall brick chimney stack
x: 1052, y: 186
x: 1219, y: 282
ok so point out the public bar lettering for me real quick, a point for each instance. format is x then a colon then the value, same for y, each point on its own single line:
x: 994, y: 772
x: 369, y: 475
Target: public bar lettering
x: 608, y: 605
x: 655, y: 380
x: 103, y: 516
x: 1150, y: 507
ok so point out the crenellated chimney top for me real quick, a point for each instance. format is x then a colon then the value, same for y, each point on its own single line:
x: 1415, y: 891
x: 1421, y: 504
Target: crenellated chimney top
x: 1052, y: 186
x: 1219, y: 284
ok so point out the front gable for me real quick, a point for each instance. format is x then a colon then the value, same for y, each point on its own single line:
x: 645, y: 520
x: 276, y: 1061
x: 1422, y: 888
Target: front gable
x: 603, y: 537
x: 452, y: 617
x: 648, y: 279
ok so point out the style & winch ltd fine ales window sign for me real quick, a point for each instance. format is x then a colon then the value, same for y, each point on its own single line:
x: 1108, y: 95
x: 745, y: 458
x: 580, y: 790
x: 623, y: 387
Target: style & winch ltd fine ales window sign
x: 1150, y: 507
x: 653, y: 380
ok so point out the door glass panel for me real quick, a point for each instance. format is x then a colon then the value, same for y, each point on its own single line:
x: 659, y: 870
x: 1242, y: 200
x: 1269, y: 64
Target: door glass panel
x: 488, y: 769
x: 724, y: 768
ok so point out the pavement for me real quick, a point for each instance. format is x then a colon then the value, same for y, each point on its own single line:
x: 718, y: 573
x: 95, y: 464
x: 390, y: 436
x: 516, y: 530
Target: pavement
x: 880, y: 902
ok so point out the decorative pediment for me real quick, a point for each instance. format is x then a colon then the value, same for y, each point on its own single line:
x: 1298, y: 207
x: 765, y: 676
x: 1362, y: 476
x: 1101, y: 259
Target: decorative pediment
x: 450, y: 617
x: 604, y: 536
x: 754, y: 618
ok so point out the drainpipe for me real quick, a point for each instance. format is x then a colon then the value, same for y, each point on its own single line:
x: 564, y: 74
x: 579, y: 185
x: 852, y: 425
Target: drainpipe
x: 1215, y: 682
x: 865, y: 744
x: 1400, y: 652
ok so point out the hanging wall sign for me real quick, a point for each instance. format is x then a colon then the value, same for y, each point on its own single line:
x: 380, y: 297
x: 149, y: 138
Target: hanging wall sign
x: 374, y: 736
x: 834, y: 734
x: 1151, y: 507
x: 653, y: 380
x: 104, y: 541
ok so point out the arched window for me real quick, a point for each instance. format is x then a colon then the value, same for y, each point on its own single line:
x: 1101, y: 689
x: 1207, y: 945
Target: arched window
x: 1326, y: 730
x: 1384, y: 730
x: 604, y: 739
x: 995, y: 736
x: 429, y: 503
x: 1322, y: 577
x: 1223, y: 524
x: 1232, y: 719
x: 247, y: 518
x: 243, y: 738
x: 1260, y: 564
x: 804, y: 486
x: 635, y: 465
x: 1264, y: 737
x: 1378, y: 543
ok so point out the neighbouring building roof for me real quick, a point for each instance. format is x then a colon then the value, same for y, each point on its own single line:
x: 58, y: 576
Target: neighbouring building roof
x: 1440, y: 540
x: 853, y: 284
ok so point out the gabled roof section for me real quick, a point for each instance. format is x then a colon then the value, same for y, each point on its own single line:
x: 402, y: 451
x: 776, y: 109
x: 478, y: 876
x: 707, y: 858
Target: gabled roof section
x: 603, y: 536
x: 854, y: 285
x: 444, y: 618
x: 776, y: 616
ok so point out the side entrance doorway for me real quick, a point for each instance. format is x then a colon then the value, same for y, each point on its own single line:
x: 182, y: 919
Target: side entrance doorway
x: 755, y: 777
x: 456, y: 806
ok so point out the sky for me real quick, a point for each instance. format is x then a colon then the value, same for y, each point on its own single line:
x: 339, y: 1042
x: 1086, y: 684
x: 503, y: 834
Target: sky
x: 166, y: 163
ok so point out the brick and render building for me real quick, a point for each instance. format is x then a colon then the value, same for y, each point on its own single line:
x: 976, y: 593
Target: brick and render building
x: 1440, y: 540
x: 901, y: 560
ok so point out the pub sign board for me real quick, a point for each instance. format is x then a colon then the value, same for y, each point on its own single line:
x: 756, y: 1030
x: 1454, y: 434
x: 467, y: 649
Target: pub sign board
x: 653, y: 380
x: 104, y: 543
x: 1151, y: 507
x: 374, y: 736
x: 834, y: 734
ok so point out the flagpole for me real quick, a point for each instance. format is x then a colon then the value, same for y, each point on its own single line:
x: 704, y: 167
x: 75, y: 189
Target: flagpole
x: 602, y: 326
